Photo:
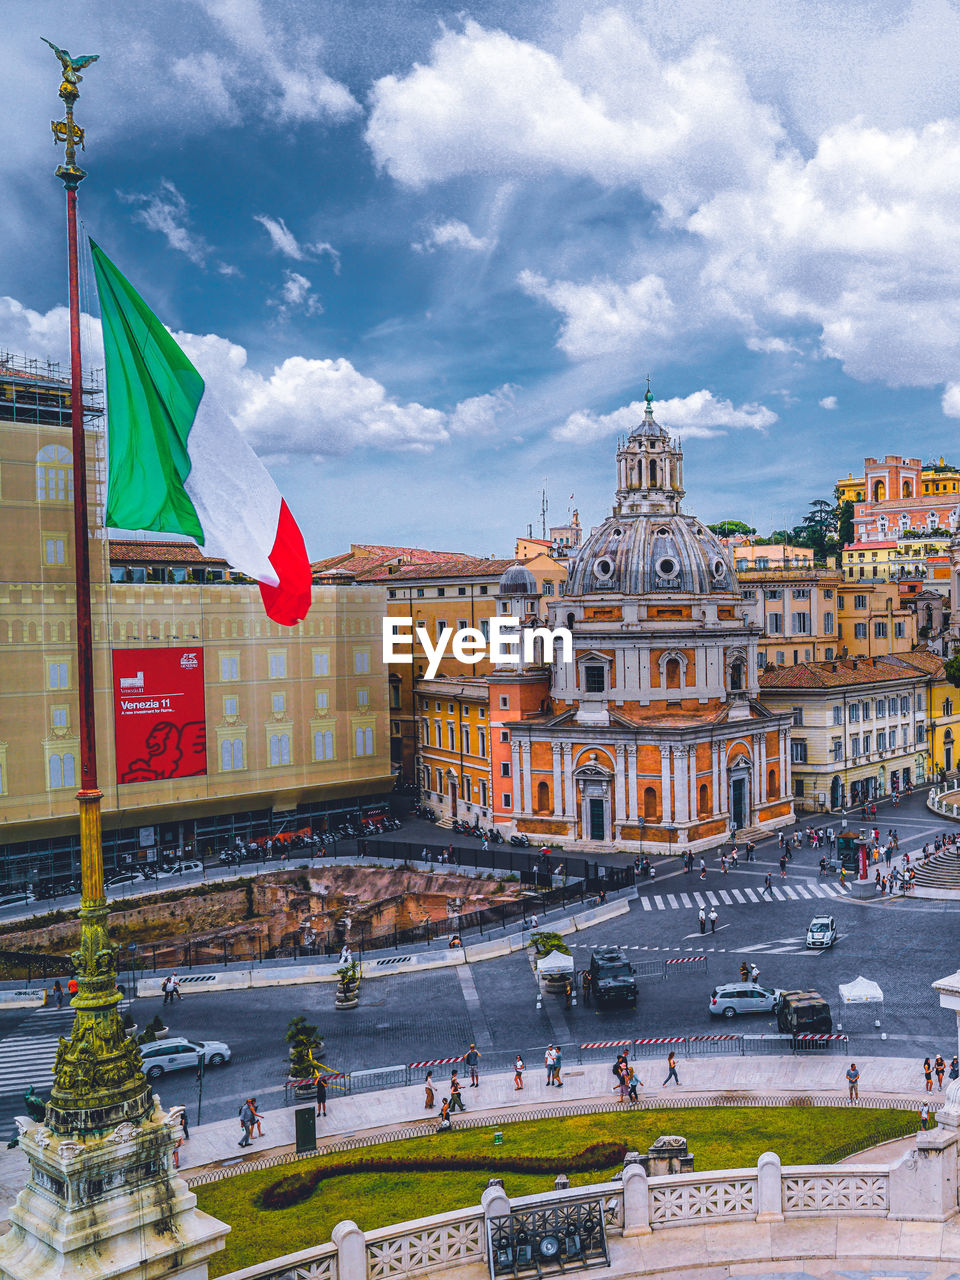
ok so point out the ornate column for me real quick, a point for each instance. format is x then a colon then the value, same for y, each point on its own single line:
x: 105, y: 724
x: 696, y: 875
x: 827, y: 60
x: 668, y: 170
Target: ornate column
x: 557, y: 785
x: 723, y: 806
x: 620, y: 782
x: 783, y: 763
x: 632, y: 781
x: 527, y: 781
x: 569, y: 790
x: 681, y: 777
x: 762, y: 758
x: 692, y: 775
x: 717, y: 806
x: 517, y: 780
x: 666, y: 799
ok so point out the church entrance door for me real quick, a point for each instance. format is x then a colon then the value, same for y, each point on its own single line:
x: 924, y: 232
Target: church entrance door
x: 598, y: 825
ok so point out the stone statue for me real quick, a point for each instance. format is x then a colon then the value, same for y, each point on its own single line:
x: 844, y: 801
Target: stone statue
x: 71, y: 66
x: 36, y: 1107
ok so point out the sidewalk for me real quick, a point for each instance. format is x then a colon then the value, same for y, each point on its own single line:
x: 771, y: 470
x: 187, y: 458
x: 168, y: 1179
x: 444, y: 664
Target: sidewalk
x: 754, y: 1077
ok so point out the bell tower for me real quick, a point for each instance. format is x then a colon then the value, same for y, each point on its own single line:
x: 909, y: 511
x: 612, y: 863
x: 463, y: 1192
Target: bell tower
x: 649, y: 469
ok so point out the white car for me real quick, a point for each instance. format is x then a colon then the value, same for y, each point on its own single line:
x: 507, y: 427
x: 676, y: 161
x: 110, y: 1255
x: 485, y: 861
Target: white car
x: 16, y: 899
x: 124, y: 877
x: 178, y: 1052
x: 742, y: 997
x: 822, y: 932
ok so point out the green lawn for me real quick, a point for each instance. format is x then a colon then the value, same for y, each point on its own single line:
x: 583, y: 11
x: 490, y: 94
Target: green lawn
x: 718, y: 1137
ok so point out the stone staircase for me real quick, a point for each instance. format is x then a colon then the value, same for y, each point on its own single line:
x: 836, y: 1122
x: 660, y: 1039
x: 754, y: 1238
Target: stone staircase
x: 942, y: 871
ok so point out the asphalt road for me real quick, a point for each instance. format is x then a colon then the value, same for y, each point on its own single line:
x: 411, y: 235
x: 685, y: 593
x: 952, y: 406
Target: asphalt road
x: 902, y: 944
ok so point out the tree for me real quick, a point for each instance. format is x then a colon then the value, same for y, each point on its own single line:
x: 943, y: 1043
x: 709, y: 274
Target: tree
x: 726, y: 528
x: 951, y: 669
x: 818, y: 524
x: 845, y: 533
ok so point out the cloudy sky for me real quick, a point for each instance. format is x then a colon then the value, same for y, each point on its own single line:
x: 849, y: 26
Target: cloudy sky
x: 428, y: 255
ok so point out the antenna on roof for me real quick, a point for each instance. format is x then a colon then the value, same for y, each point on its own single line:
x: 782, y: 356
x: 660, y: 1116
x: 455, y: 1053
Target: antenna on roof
x: 543, y: 510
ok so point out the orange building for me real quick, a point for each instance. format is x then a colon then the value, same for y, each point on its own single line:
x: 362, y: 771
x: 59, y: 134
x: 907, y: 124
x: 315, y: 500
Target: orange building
x: 651, y: 736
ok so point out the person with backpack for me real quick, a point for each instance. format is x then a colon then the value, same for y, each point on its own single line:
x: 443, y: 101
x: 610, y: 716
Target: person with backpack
x: 246, y: 1121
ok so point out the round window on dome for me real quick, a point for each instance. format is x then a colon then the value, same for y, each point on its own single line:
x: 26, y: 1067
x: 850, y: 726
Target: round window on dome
x: 719, y: 568
x: 667, y: 567
x: 603, y: 567
x: 618, y: 533
x: 663, y: 533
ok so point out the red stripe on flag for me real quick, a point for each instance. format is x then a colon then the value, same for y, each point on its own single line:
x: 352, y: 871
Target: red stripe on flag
x: 290, y: 601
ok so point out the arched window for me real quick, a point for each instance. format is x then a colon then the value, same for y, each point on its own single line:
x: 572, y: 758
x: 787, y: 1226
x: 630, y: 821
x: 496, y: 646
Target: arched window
x: 63, y: 770
x: 653, y: 473
x: 363, y: 744
x: 672, y: 672
x: 543, y: 797
x: 772, y: 788
x: 649, y: 802
x: 879, y: 491
x: 279, y: 748
x: 571, y: 619
x: 54, y: 474
x: 736, y: 677
x: 323, y: 746
x: 702, y: 801
x: 907, y: 489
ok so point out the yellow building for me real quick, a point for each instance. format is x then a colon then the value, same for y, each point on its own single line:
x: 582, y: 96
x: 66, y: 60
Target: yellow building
x: 797, y: 611
x: 943, y: 711
x: 284, y: 724
x: 912, y: 555
x: 772, y: 555
x: 935, y: 478
x: 453, y: 746
x: 872, y: 621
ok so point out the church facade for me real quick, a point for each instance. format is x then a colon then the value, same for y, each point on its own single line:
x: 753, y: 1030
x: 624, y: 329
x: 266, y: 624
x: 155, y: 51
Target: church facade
x: 652, y: 737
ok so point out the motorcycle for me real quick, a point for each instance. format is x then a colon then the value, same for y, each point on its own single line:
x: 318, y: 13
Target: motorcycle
x: 520, y: 842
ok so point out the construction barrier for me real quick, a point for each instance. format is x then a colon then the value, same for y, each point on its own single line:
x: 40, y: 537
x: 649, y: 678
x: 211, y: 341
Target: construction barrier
x: 700, y: 961
x: 818, y: 1044
x: 433, y: 1062
x: 701, y: 1046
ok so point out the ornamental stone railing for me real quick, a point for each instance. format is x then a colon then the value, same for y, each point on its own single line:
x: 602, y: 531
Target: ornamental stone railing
x: 920, y: 1186
x: 945, y: 800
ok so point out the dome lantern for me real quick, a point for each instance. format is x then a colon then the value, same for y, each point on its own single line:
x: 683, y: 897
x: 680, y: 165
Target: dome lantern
x: 649, y: 469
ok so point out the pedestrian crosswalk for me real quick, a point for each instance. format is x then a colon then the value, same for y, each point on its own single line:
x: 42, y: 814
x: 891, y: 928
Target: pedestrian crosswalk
x: 729, y: 897
x: 27, y: 1056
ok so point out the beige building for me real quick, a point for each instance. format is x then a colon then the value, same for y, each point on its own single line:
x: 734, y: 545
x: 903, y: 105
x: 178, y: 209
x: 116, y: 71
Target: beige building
x: 796, y: 608
x: 859, y: 728
x: 284, y: 724
x: 873, y: 621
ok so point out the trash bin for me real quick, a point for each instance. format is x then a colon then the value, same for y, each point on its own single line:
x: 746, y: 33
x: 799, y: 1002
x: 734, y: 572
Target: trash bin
x: 305, y: 1119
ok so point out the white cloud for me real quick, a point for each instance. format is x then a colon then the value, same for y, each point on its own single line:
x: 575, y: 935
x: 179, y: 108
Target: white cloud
x: 482, y: 417
x: 166, y: 211
x: 604, y: 316
x: 604, y: 108
x: 950, y: 401
x: 699, y: 414
x: 771, y: 346
x: 452, y: 234
x: 296, y: 294
x: 828, y: 402
x: 285, y: 242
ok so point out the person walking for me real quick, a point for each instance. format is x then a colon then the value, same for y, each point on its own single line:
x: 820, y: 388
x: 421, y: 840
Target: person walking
x: 713, y: 918
x: 246, y: 1122
x: 783, y: 867
x: 767, y: 886
x: 175, y: 984
x: 518, y: 1070
x: 927, y: 1075
x: 853, y: 1080
x: 671, y: 1070
x: 472, y: 1059
x: 184, y: 1124
x: 939, y: 1067
x: 428, y: 1103
x: 954, y: 1073
x: 58, y: 993
x: 750, y: 846
x: 587, y: 981
x: 557, y: 1066
x: 257, y: 1117
x: 73, y: 986
x: 167, y: 988
x: 445, y: 1121
x: 703, y: 869
x: 632, y: 1082
x: 703, y: 920
x: 549, y: 1061
x: 455, y: 1099
x: 924, y: 1114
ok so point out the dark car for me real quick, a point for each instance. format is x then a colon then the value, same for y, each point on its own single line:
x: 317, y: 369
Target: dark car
x: 804, y: 1013
x: 612, y: 977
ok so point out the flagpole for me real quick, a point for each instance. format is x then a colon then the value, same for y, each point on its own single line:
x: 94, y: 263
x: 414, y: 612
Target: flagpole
x: 98, y: 1077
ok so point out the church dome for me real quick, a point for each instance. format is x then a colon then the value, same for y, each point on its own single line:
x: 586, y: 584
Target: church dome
x: 651, y: 555
x: 517, y: 581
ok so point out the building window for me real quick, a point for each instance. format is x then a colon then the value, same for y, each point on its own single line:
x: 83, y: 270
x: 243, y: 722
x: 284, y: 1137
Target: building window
x: 363, y: 697
x: 441, y: 591
x: 363, y: 741
x: 594, y: 678
x: 859, y: 602
x: 798, y: 787
x: 892, y: 738
x: 921, y: 731
x: 231, y: 707
x: 855, y: 747
x: 504, y: 701
x: 323, y: 744
x: 321, y: 662
x: 323, y: 700
x: 770, y: 594
x: 278, y: 703
x: 507, y: 800
x: 837, y: 748
x: 547, y: 587
x: 859, y: 631
x: 828, y: 623
x: 54, y: 551
x: 277, y: 663
x: 391, y: 594
x: 838, y: 715
x: 798, y: 751
x: 361, y: 662
x: 865, y: 710
x: 231, y: 754
x: 451, y: 738
x: 853, y: 712
x: 504, y: 768
x: 905, y: 705
x: 58, y: 717
x: 229, y: 666
x: 279, y: 748
x: 881, y: 708
x: 899, y: 630
x: 419, y: 593
x: 58, y: 675
x: 482, y: 745
x: 63, y: 770
x: 840, y: 600
x: 504, y: 735
x: 798, y: 716
x: 465, y: 736
x: 866, y: 744
x: 947, y: 707
x: 461, y: 591
x: 881, y: 739
x: 483, y: 589
x: 801, y: 593
x: 880, y: 630
x: 801, y: 624
x: 780, y: 658
x: 483, y: 792
x: 55, y: 478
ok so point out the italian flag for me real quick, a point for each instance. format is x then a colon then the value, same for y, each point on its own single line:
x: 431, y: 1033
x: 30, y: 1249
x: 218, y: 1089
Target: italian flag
x: 177, y: 464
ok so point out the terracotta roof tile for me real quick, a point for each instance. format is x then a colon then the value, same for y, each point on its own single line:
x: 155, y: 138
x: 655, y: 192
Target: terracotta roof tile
x: 123, y: 552
x: 832, y: 675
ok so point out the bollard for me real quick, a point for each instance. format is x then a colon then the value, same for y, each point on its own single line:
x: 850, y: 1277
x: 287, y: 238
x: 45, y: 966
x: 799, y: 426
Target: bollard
x: 769, y: 1188
x: 351, y: 1251
x: 636, y: 1201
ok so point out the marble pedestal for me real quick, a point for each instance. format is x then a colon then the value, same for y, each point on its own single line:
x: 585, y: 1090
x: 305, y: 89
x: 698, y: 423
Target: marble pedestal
x: 107, y: 1208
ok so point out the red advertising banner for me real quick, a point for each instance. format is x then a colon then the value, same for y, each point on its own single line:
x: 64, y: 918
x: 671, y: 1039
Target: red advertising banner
x: 158, y: 714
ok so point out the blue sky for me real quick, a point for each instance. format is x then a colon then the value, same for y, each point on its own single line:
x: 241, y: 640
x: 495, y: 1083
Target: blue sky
x: 428, y: 255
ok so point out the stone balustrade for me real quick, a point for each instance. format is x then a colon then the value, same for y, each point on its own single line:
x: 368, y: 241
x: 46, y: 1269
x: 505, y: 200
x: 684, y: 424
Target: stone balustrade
x: 919, y: 1186
x: 945, y: 799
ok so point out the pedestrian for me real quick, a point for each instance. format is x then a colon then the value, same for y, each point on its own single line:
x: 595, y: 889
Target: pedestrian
x: 703, y: 868
x: 927, y: 1075
x: 853, y: 1080
x: 623, y: 1082
x: 713, y: 917
x: 445, y: 1121
x: 750, y: 846
x: 633, y: 1082
x: 455, y: 1099
x: 167, y: 988
x: 924, y: 1114
x: 873, y: 811
x: 744, y: 971
x: 58, y: 993
x: 939, y: 1067
x: 587, y: 980
x: 72, y: 987
x: 246, y: 1122
x: 671, y: 1069
x: 518, y: 1070
x: 754, y: 973
x: 767, y: 886
x: 549, y: 1058
x: 534, y: 921
x: 257, y: 1117
x: 472, y: 1059
x: 703, y: 920
x: 557, y: 1066
x: 175, y: 983
x: 428, y: 1103
x: 723, y: 864
x: 783, y: 868
x: 823, y: 868
x: 954, y: 1073
x: 184, y: 1124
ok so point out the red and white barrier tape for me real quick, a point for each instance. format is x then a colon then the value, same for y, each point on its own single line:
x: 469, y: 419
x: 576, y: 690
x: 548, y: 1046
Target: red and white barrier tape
x: 435, y: 1062
x: 808, y: 1036
x: 663, y: 1040
x: 700, y: 1039
x: 687, y: 960
x: 606, y: 1044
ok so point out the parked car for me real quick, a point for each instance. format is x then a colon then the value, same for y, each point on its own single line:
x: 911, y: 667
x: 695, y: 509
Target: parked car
x: 743, y: 997
x: 124, y: 877
x: 822, y: 932
x: 11, y: 899
x: 178, y: 1052
x: 188, y: 868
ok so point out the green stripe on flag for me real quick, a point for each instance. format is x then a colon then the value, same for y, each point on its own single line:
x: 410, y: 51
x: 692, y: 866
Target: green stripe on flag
x: 152, y: 396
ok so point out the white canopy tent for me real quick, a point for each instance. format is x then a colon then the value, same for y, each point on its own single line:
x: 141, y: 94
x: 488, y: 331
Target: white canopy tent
x: 554, y: 964
x: 863, y: 991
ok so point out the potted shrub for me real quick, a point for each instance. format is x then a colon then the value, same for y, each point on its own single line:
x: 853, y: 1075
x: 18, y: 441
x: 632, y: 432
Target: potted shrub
x: 305, y: 1041
x: 349, y: 986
